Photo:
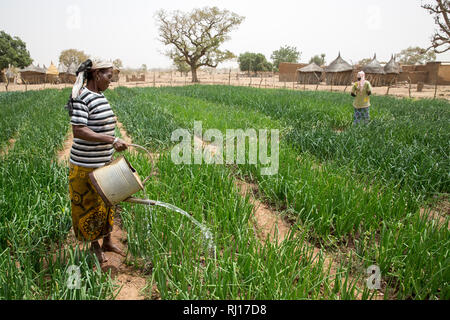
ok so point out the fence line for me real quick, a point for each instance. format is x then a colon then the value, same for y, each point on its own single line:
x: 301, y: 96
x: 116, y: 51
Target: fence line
x: 162, y: 79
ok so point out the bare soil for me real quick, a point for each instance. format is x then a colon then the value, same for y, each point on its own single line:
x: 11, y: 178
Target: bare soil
x: 269, y: 225
x: 439, y: 212
x: 8, y: 147
x: 163, y: 79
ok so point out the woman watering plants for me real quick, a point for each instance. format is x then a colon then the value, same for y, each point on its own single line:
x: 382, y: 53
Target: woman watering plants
x: 361, y: 90
x: 93, y: 125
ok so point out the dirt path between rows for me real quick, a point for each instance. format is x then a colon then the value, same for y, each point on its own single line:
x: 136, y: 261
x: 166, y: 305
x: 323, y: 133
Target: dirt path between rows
x: 131, y: 281
x: 268, y: 224
x: 8, y: 147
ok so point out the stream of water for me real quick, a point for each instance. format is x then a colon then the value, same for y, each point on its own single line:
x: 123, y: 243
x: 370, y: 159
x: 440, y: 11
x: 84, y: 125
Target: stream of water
x: 206, y: 233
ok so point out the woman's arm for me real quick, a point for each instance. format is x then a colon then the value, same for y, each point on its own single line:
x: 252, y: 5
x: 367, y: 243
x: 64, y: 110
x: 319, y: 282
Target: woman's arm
x: 83, y: 132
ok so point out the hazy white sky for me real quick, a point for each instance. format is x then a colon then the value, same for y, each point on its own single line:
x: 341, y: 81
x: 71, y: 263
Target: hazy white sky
x: 127, y: 29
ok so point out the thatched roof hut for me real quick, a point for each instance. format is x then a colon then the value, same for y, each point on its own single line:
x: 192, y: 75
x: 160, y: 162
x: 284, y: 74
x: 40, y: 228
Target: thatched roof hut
x: 339, y: 72
x: 392, y: 70
x: 392, y: 67
x: 374, y: 72
x: 311, y: 74
x: 32, y: 74
x: 52, y: 74
x: 67, y: 74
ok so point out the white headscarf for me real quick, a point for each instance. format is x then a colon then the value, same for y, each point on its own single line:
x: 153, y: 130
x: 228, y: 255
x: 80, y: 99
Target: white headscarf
x: 361, y: 75
x: 82, y: 72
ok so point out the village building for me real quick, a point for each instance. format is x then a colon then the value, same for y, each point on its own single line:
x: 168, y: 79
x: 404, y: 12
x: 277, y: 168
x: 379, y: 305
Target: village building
x: 374, y: 72
x: 311, y: 74
x: 339, y: 72
x: 32, y: 74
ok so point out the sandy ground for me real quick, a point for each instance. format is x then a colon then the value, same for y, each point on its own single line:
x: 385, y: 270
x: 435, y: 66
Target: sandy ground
x: 161, y: 79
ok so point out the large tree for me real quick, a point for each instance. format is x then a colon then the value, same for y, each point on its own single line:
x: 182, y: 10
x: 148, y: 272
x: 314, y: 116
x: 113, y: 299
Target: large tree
x: 195, y: 37
x: 69, y: 56
x: 285, y: 54
x: 255, y: 62
x: 440, y: 41
x: 13, y: 52
x: 415, y: 55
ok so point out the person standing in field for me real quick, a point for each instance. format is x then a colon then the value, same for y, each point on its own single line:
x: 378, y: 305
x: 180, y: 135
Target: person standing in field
x: 93, y: 125
x: 361, y: 90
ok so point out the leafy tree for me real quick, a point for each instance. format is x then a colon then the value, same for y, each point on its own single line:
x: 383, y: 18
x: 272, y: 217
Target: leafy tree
x: 144, y: 68
x: 416, y: 55
x: 285, y: 54
x: 440, y: 41
x: 118, y: 63
x: 182, y: 67
x: 69, y: 56
x: 255, y: 62
x: 13, y: 52
x: 319, y: 60
x: 195, y: 37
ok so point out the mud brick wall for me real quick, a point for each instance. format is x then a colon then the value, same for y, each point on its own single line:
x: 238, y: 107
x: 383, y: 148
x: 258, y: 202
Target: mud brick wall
x: 288, y: 71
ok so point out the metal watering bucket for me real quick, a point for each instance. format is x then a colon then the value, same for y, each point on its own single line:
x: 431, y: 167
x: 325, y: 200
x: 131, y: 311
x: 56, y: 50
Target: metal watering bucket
x: 117, y: 180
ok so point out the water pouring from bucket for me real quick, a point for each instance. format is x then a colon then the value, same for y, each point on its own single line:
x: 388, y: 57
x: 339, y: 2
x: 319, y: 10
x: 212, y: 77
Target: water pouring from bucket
x: 117, y: 181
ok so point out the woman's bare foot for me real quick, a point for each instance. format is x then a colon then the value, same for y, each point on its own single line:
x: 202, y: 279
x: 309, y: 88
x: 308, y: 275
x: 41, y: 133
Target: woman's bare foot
x: 110, y: 247
x: 95, y: 247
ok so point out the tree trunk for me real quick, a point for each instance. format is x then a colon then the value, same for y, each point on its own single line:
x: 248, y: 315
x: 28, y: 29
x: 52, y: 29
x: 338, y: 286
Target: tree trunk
x: 194, y: 75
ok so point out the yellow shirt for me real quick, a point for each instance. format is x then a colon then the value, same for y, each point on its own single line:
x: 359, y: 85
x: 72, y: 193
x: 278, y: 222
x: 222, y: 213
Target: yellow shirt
x: 362, y: 99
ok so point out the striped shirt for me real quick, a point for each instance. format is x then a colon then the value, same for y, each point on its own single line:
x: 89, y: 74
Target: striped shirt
x: 92, y: 110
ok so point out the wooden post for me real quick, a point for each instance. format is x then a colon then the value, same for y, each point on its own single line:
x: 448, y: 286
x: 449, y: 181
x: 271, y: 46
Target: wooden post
x: 436, y: 84
x: 154, y: 79
x: 409, y: 81
x: 229, y: 77
x: 435, y: 88
x: 261, y: 81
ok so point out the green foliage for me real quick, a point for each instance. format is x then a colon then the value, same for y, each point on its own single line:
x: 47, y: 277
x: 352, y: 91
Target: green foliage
x: 255, y: 62
x: 196, y: 37
x: 182, y: 66
x: 13, y: 52
x: 285, y: 54
x: 69, y: 56
x: 415, y: 55
x: 318, y: 59
x: 35, y: 207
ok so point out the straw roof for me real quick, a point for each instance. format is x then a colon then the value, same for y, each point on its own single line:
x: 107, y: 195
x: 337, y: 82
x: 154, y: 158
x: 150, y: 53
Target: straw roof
x: 52, y: 69
x: 373, y: 66
x: 312, y: 67
x: 392, y: 66
x: 32, y: 68
x: 62, y: 68
x: 339, y: 65
x: 72, y: 68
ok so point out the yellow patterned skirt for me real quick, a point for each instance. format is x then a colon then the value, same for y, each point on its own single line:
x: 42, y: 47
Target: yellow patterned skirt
x: 92, y: 219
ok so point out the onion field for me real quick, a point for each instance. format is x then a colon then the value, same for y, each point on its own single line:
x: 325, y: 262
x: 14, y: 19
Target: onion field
x: 360, y: 195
